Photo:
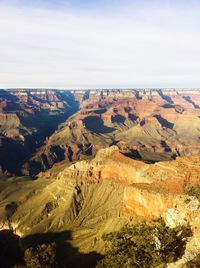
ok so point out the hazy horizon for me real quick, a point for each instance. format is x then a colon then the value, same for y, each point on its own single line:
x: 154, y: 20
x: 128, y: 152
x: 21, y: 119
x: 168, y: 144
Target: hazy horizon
x: 103, y: 88
x: 104, y: 44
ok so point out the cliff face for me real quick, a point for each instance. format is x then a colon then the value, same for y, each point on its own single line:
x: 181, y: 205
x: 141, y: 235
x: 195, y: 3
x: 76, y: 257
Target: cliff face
x: 9, y: 124
x: 101, y: 183
x: 27, y: 118
x: 186, y: 211
x: 151, y: 125
x: 146, y: 203
x: 95, y: 193
x: 100, y: 195
x: 27, y: 105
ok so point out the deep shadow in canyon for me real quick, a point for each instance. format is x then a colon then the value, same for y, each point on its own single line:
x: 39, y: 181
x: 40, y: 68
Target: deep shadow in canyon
x: 12, y: 249
x: 14, y: 153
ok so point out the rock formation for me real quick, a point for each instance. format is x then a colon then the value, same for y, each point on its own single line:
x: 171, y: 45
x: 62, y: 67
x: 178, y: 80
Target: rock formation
x: 150, y: 125
x: 27, y: 119
x: 99, y: 195
x: 103, y: 158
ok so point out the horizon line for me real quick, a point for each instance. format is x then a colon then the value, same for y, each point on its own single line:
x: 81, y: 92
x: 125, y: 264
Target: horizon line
x: 103, y: 88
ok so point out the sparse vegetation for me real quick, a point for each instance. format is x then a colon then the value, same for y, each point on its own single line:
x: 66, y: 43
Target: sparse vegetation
x: 144, y: 245
x: 194, y: 190
x: 41, y: 256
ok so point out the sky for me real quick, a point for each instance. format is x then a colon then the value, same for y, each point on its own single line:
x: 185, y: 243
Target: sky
x: 99, y: 44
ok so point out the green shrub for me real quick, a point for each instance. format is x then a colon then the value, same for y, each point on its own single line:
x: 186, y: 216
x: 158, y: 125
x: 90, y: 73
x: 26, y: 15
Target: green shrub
x: 41, y: 256
x: 143, y: 245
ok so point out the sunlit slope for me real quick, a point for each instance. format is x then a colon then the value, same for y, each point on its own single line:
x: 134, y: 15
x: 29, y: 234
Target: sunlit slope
x: 95, y: 196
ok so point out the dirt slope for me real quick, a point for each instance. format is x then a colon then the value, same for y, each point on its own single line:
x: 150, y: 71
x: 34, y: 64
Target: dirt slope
x: 95, y: 196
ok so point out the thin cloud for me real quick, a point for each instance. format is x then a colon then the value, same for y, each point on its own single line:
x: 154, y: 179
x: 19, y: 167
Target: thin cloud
x: 137, y: 46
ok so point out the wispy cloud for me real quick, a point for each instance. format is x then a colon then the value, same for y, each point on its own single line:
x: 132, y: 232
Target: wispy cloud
x: 133, y: 45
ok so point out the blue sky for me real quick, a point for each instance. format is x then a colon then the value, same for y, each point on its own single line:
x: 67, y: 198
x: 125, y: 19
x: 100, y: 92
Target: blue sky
x: 108, y: 43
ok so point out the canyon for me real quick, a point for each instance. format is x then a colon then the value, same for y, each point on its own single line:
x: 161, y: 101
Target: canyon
x: 149, y: 125
x: 27, y: 119
x: 100, y: 195
x: 87, y: 162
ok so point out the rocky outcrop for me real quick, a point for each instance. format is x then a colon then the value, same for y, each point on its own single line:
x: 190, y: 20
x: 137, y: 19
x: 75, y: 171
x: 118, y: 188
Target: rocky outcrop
x: 100, y: 195
x: 186, y: 212
x: 9, y: 125
x: 97, y: 188
x: 27, y: 119
x: 150, y: 125
x: 145, y: 125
